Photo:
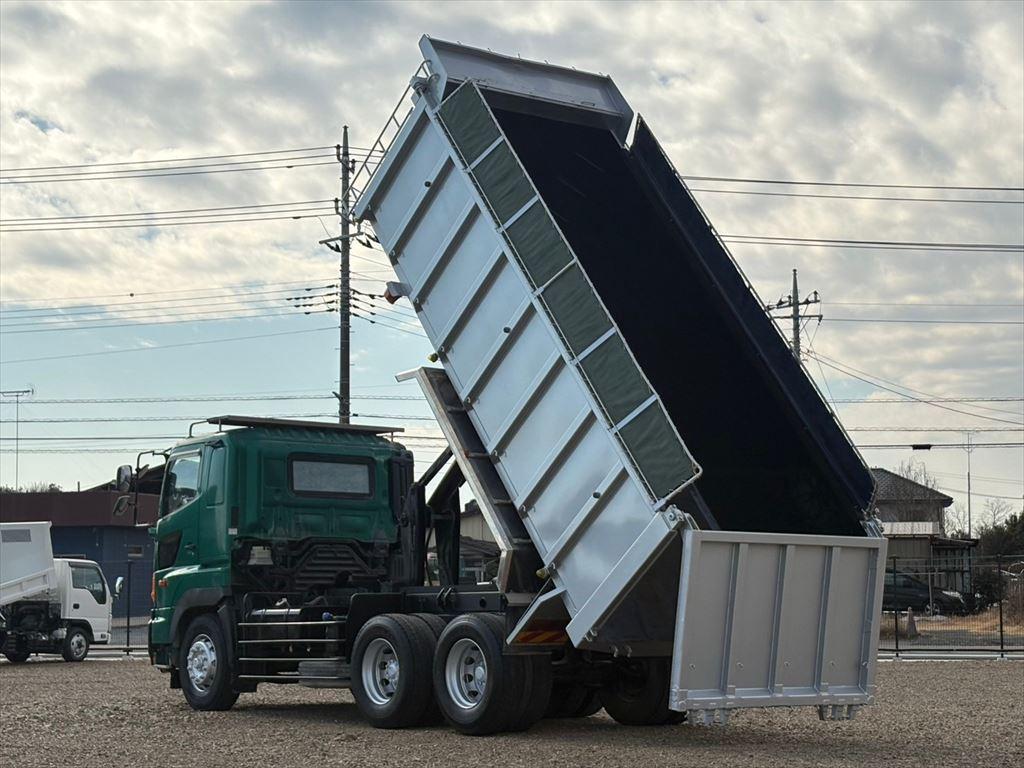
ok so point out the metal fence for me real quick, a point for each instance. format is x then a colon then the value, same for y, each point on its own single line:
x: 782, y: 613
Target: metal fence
x: 954, y: 604
x: 130, y: 611
x: 934, y: 604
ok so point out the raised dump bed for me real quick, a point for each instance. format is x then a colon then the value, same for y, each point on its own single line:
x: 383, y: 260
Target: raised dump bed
x: 626, y: 386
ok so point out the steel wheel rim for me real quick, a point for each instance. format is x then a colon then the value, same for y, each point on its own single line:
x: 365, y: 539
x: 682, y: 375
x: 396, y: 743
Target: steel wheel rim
x: 465, y: 674
x: 381, y: 671
x: 201, y: 663
x: 78, y: 645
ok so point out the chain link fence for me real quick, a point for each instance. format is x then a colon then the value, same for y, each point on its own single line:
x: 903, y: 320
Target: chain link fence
x: 952, y: 605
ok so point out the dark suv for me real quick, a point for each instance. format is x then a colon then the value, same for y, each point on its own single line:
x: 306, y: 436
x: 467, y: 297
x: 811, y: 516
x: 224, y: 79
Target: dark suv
x: 903, y: 591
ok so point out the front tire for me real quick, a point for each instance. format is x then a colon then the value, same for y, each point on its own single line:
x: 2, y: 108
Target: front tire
x: 204, y: 666
x: 76, y: 645
x: 20, y: 653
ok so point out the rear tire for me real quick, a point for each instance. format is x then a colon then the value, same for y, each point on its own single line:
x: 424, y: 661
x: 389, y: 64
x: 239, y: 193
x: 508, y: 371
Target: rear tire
x: 76, y: 645
x: 479, y: 689
x: 638, y: 693
x: 568, y: 700
x: 205, y: 666
x: 391, y: 671
x: 536, y: 691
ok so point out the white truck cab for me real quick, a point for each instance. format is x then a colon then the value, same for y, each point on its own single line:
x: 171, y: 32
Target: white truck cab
x: 49, y: 605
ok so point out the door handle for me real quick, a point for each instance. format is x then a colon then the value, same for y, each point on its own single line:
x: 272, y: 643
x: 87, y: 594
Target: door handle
x: 74, y: 606
x: 190, y: 548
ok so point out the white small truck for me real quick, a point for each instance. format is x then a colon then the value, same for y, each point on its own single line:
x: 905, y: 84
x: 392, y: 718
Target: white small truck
x: 47, y: 604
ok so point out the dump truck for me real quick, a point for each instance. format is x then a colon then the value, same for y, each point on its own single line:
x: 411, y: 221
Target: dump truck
x: 47, y: 604
x: 684, y: 527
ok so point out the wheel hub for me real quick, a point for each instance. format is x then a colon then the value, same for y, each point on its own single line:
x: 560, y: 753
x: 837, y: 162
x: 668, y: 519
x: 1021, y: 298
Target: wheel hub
x: 78, y: 645
x: 381, y: 671
x: 202, y: 662
x: 466, y: 674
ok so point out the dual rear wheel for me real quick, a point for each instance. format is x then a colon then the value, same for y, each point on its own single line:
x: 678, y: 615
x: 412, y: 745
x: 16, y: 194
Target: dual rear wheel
x: 406, y: 670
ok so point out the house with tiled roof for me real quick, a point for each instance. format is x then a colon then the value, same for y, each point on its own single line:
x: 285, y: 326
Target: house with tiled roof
x: 913, y: 520
x: 900, y: 499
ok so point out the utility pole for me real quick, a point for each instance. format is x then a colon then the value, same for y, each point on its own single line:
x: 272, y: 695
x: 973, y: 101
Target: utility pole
x: 793, y: 303
x: 796, y: 317
x: 344, y: 288
x: 969, y: 449
x: 17, y: 394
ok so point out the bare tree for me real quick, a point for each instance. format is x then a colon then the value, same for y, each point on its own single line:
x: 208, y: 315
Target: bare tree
x: 907, y: 502
x: 956, y: 521
x: 994, y: 512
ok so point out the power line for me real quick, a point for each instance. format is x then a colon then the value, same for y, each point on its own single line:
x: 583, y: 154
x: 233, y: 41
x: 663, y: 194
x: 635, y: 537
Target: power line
x: 154, y: 175
x: 918, y: 304
x: 794, y: 182
x: 144, y: 419
x: 856, y: 197
x: 909, y: 244
x: 926, y: 397
x: 135, y: 438
x: 986, y: 495
x: 210, y: 399
x: 69, y: 319
x: 930, y: 446
x: 164, y: 223
x: 932, y: 429
x: 170, y: 305
x: 824, y: 361
x: 113, y: 174
x: 130, y: 214
x: 387, y: 325
x: 920, y: 321
x: 164, y: 346
x: 161, y: 293
x: 880, y: 400
x: 143, y: 322
x: 186, y: 159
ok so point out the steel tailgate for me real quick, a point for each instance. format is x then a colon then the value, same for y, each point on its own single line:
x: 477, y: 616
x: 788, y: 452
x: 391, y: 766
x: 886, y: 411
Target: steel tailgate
x: 769, y: 619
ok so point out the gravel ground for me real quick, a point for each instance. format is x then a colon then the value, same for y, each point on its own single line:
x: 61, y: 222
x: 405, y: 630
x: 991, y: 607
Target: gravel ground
x: 120, y: 712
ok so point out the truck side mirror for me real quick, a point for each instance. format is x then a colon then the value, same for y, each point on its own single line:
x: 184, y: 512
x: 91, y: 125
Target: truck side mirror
x: 121, y: 505
x: 124, y: 478
x: 118, y: 586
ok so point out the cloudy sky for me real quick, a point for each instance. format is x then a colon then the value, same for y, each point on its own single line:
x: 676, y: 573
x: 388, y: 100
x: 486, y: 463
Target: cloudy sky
x: 892, y: 93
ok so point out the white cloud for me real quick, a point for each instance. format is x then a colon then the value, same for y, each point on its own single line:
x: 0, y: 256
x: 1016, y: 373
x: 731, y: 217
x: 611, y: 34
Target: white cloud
x: 896, y: 92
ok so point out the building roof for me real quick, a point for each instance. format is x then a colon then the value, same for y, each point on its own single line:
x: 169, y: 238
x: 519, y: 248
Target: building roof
x: 75, y: 508
x: 891, y: 487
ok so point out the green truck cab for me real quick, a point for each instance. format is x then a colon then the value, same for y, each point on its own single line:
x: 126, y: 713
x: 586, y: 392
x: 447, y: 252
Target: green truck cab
x: 295, y: 552
x: 272, y: 516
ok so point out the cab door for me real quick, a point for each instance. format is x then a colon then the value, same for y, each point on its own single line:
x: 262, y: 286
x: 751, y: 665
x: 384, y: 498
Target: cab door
x: 89, y: 598
x: 177, y: 531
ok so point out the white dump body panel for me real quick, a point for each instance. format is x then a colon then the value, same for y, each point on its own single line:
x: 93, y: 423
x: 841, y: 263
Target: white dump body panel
x: 770, y: 619
x: 26, y: 562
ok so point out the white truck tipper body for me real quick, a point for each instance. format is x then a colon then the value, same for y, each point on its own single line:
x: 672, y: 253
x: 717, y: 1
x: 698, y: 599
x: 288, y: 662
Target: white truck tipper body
x: 47, y: 604
x: 623, y: 409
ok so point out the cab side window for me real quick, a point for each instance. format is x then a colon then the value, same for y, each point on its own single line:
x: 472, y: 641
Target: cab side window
x: 89, y: 577
x: 181, y: 483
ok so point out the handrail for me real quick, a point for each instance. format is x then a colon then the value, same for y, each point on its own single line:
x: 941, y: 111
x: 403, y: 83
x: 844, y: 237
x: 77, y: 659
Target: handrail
x: 381, y: 146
